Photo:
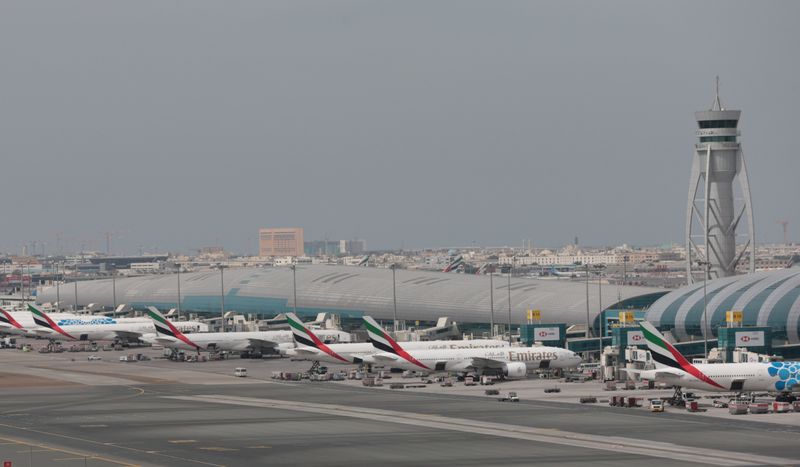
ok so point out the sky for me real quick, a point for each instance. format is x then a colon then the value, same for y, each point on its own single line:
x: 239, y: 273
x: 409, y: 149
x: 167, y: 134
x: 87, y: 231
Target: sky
x: 187, y: 123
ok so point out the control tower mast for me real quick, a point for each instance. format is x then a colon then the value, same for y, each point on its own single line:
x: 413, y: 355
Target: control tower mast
x: 713, y: 215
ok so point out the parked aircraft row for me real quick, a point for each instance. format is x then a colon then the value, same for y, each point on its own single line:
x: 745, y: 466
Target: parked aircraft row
x: 169, y: 335
x: 37, y: 323
x: 514, y: 362
x: 481, y: 356
x: 333, y: 346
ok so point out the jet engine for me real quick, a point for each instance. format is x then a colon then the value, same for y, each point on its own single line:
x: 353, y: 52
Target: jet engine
x: 515, y: 370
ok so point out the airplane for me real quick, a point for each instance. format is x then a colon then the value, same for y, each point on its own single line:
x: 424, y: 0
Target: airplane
x: 454, y: 264
x: 511, y: 362
x: 21, y: 322
x: 257, y: 341
x: 91, y: 328
x: 364, y: 261
x: 572, y: 273
x: 9, y: 325
x: 309, y: 347
x: 673, y: 368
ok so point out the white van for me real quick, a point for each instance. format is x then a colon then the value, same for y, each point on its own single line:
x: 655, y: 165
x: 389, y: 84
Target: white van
x: 240, y: 372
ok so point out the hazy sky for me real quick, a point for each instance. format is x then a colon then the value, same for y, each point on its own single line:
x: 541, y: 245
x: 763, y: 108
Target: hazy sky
x: 180, y: 124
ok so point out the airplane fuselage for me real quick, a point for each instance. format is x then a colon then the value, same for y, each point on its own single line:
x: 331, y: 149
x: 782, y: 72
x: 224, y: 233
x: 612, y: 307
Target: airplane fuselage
x: 360, y: 352
x: 491, y: 358
x: 726, y: 377
x: 241, y: 341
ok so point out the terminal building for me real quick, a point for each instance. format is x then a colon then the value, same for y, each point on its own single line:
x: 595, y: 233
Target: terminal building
x: 352, y: 292
x: 765, y: 299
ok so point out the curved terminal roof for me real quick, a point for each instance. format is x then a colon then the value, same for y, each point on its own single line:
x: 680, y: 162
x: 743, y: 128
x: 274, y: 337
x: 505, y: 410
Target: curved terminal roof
x: 353, y: 292
x: 769, y: 298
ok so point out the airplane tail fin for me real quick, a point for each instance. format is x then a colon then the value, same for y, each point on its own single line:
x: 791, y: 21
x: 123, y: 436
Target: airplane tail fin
x: 300, y: 333
x: 381, y: 340
x: 41, y: 319
x: 5, y: 317
x: 666, y: 355
x: 165, y: 328
x: 303, y: 335
x: 454, y: 264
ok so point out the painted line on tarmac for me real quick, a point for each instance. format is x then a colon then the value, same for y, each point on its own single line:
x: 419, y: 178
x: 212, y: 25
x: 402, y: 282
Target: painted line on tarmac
x: 545, y: 435
x: 92, y: 442
x: 65, y: 451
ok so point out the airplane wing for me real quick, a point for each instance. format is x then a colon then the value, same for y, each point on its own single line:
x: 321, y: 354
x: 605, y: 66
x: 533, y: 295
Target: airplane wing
x: 262, y: 344
x: 659, y: 371
x: 383, y: 358
x: 128, y: 335
x: 163, y: 340
x: 480, y: 362
x: 667, y: 371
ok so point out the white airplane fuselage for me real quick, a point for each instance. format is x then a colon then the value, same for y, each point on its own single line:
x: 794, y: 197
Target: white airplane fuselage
x: 777, y: 376
x: 360, y: 352
x: 241, y: 341
x: 464, y: 359
x: 104, y: 328
x: 25, y: 319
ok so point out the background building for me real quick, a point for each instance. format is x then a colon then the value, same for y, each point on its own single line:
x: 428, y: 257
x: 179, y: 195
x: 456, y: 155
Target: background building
x: 353, y: 292
x: 280, y: 242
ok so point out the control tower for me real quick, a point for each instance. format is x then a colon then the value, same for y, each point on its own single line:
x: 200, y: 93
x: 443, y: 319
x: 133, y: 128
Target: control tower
x: 717, y: 209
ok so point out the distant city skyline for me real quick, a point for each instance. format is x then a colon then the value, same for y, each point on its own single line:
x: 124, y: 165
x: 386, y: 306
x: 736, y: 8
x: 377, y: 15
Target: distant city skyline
x: 407, y: 124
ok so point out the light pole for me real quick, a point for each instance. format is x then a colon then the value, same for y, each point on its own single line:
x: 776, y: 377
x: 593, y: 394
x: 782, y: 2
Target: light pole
x: 76, y: 288
x: 294, y: 288
x: 58, y: 289
x: 510, y: 270
x: 600, y: 268
x: 600, y: 295
x: 587, y: 302
x: 222, y: 295
x: 705, y: 265
x: 491, y: 303
x: 394, y: 293
x: 179, y: 292
x: 114, y: 286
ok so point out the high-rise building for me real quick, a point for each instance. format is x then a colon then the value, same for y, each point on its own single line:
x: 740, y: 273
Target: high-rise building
x: 715, y: 213
x: 280, y: 242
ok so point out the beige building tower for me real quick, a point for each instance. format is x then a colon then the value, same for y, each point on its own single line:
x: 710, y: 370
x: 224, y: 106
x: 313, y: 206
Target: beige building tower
x: 280, y: 242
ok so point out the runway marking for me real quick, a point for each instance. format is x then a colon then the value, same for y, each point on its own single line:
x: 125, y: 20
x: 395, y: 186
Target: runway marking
x: 259, y: 447
x: 545, y: 435
x: 216, y: 449
x: 65, y: 451
x: 89, y: 441
x: 182, y: 441
x: 93, y: 426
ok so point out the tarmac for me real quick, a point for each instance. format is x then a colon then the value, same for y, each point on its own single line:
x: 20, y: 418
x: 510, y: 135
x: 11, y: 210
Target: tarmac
x: 63, y: 410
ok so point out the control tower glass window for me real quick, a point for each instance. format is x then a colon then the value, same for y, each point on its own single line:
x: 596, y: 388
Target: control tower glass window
x: 718, y: 123
x: 717, y: 139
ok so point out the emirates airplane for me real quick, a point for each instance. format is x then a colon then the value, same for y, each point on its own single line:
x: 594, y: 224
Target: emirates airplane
x: 673, y: 368
x: 88, y: 328
x: 21, y: 322
x: 311, y: 348
x: 512, y: 362
x: 257, y: 341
